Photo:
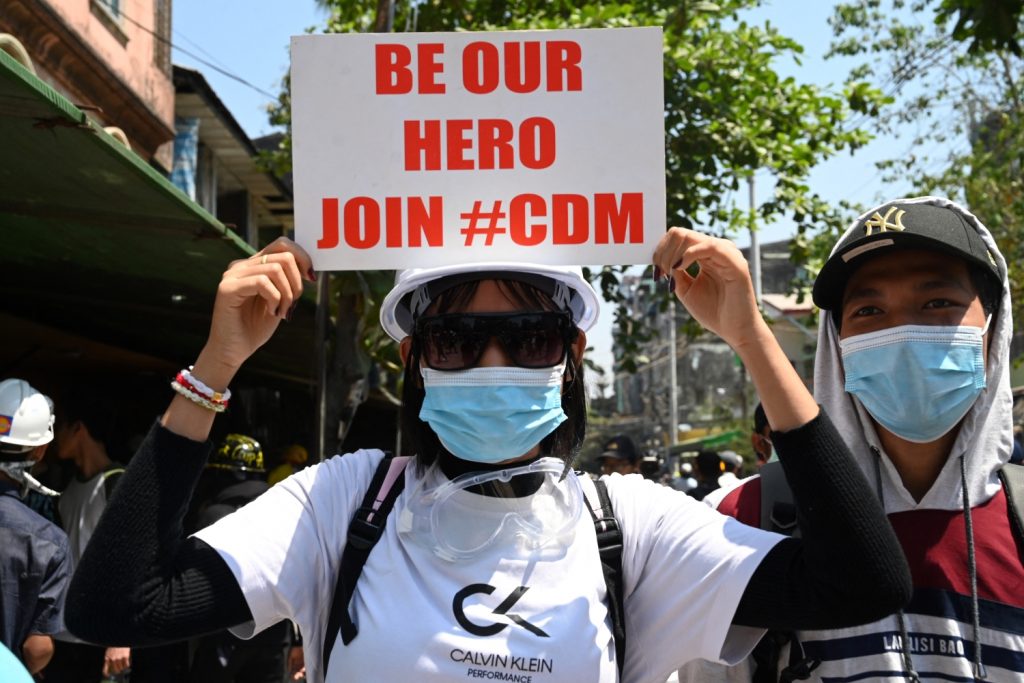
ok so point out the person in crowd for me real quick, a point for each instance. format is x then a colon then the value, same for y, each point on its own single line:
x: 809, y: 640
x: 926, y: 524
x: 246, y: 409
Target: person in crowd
x: 34, y: 562
x: 685, y: 481
x: 732, y: 466
x: 83, y: 436
x: 761, y: 438
x: 488, y: 567
x: 234, y: 477
x: 709, y: 469
x: 913, y: 366
x: 620, y: 455
x: 294, y: 457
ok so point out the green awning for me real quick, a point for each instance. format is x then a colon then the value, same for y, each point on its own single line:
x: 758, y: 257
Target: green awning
x: 97, y: 243
x: 707, y: 441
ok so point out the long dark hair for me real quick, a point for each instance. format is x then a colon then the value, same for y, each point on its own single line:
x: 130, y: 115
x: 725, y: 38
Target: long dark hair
x: 564, y: 442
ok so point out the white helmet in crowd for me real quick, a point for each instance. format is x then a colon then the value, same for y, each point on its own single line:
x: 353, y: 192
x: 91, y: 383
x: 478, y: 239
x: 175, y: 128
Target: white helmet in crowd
x: 26, y: 417
x: 415, y: 288
x: 26, y: 422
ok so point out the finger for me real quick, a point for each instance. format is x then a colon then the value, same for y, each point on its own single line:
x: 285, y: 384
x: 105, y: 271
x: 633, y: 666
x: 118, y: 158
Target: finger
x: 669, y: 247
x: 106, y: 667
x: 675, y: 256
x: 276, y: 272
x: 283, y: 245
x: 682, y: 283
x: 237, y: 290
x: 290, y: 267
x: 711, y: 256
x: 676, y: 243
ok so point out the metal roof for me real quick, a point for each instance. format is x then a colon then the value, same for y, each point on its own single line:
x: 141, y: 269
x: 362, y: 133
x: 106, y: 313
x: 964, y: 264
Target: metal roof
x: 98, y: 244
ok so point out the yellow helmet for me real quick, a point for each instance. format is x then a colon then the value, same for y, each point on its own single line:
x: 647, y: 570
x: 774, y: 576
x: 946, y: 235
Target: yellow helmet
x: 238, y: 452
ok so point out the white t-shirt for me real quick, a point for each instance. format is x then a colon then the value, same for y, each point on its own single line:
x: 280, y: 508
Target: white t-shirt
x: 422, y: 618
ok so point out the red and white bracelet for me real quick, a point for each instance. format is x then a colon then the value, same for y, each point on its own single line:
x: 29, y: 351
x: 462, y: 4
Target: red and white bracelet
x: 192, y: 388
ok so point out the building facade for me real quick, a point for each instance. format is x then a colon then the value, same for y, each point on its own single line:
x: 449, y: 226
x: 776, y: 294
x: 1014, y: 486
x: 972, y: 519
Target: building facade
x: 111, y: 58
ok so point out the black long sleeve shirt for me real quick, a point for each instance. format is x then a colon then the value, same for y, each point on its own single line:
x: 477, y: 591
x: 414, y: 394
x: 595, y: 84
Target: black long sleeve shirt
x: 142, y: 582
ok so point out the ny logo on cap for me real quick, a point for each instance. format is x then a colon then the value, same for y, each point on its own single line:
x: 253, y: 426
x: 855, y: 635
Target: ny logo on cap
x: 882, y: 222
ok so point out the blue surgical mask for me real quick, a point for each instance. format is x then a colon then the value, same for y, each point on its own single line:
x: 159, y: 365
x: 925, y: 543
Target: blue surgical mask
x: 917, y: 381
x: 493, y: 414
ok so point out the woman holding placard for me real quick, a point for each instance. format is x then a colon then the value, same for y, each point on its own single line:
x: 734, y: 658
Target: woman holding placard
x: 488, y: 566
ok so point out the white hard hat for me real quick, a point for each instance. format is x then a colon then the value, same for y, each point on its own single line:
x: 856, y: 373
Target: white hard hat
x: 412, y: 292
x: 26, y: 416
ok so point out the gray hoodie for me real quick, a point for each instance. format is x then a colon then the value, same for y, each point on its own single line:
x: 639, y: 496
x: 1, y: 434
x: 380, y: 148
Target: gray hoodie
x: 986, y: 433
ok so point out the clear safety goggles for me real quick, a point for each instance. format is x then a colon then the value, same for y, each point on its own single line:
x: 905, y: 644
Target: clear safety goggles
x: 515, y: 512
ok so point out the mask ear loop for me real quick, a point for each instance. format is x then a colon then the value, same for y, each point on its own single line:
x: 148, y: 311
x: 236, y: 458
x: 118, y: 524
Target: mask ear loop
x: 988, y: 321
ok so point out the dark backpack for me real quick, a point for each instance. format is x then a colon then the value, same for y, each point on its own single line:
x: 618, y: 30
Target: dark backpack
x: 371, y: 517
x: 778, y: 514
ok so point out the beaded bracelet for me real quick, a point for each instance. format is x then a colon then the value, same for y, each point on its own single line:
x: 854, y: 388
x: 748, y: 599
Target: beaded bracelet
x: 189, y: 386
x: 192, y: 395
x: 202, y: 389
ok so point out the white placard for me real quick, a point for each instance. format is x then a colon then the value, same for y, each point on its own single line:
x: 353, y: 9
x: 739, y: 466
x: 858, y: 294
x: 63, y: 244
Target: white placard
x: 428, y: 149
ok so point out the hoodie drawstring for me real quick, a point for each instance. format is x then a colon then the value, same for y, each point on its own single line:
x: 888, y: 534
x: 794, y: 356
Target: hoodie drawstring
x: 901, y: 621
x: 972, y: 565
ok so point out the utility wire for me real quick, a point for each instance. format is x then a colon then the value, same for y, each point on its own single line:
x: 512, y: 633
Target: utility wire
x: 194, y: 56
x: 182, y: 36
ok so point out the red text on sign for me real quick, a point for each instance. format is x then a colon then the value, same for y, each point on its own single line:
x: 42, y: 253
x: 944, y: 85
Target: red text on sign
x: 529, y: 220
x: 521, y: 67
x: 394, y: 77
x: 498, y: 144
x: 413, y: 223
x: 574, y: 219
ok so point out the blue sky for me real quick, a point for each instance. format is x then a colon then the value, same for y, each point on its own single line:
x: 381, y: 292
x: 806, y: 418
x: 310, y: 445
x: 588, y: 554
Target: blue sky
x: 249, y: 38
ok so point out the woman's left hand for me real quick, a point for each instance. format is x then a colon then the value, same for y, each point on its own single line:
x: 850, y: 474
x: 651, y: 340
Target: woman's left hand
x: 721, y: 295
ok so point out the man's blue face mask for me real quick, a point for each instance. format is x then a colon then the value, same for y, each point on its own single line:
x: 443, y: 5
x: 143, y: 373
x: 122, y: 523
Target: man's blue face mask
x: 917, y: 381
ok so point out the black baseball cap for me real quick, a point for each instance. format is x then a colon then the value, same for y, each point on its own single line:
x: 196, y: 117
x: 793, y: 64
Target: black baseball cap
x: 621, y: 448
x: 902, y: 224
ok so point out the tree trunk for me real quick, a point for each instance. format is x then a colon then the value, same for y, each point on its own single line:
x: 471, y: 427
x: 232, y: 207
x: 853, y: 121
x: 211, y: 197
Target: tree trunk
x: 347, y: 376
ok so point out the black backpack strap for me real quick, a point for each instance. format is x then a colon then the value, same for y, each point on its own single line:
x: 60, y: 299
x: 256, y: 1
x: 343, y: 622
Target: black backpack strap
x: 364, y: 531
x: 800, y: 665
x: 778, y: 510
x: 766, y: 656
x: 1012, y: 478
x: 609, y: 548
x: 778, y: 514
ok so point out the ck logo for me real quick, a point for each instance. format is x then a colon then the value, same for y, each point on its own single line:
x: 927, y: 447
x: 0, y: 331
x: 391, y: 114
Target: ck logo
x: 882, y: 224
x: 503, y: 617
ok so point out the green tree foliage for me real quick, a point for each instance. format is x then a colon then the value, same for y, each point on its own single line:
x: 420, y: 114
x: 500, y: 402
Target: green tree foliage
x: 956, y: 87
x: 988, y: 24
x: 728, y: 112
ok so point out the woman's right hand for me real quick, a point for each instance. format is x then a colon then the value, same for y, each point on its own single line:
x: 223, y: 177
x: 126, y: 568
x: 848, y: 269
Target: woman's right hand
x: 254, y: 296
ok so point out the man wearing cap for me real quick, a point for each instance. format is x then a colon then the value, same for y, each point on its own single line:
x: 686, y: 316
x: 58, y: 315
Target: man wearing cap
x: 913, y: 366
x: 620, y: 455
x: 34, y: 562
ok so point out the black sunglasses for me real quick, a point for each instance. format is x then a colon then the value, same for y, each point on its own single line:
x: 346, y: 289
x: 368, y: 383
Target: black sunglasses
x: 456, y: 341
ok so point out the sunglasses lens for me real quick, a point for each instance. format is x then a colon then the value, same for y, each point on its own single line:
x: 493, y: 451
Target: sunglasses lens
x: 531, y: 340
x: 534, y: 341
x: 451, y: 344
